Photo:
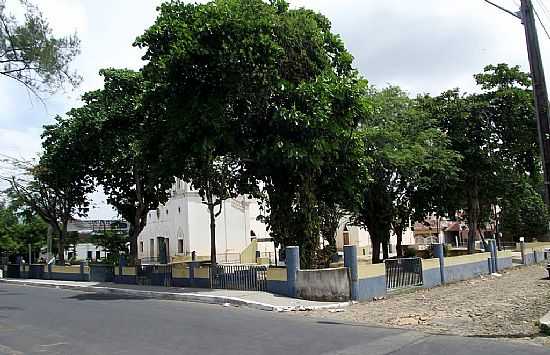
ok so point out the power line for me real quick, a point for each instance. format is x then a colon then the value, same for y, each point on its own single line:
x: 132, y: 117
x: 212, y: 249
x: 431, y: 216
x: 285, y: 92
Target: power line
x: 545, y: 11
x: 542, y: 24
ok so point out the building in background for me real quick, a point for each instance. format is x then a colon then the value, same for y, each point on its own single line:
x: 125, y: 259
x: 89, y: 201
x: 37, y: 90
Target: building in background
x: 182, y: 226
x: 85, y: 249
x: 353, y: 235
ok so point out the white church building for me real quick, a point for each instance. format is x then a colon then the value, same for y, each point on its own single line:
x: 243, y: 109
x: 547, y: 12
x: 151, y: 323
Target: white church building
x: 182, y: 226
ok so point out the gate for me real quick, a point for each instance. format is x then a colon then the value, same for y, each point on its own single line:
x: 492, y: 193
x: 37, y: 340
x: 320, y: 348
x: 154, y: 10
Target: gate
x: 239, y: 277
x: 154, y: 275
x: 404, y: 272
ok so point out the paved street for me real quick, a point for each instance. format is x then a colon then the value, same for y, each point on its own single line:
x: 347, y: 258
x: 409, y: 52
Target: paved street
x: 54, y: 321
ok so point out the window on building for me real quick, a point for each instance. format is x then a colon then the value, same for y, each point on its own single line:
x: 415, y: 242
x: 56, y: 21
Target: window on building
x: 152, y: 247
x: 141, y: 246
x: 97, y: 255
x: 89, y: 256
x: 180, y: 246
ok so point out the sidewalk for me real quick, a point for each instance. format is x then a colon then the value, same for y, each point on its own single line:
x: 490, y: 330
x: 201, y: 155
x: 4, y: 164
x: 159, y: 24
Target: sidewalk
x: 253, y: 299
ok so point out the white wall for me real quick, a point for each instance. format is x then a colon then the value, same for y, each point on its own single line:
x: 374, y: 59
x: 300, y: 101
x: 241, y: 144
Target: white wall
x: 82, y: 251
x: 188, y: 219
x: 361, y: 237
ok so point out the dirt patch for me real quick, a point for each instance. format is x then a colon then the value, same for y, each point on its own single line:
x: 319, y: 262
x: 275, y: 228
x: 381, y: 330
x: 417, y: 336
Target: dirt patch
x: 506, y: 307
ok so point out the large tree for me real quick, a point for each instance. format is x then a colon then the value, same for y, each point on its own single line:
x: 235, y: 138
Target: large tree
x: 270, y: 86
x: 409, y: 157
x: 496, y: 135
x: 118, y: 124
x: 31, y: 55
x: 56, y: 196
x: 19, y: 228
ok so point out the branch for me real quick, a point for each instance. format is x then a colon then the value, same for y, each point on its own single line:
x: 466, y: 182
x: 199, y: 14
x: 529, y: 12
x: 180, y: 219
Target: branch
x: 29, y: 88
x: 220, y: 211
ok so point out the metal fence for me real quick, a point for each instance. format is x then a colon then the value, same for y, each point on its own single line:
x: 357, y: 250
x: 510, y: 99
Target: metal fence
x: 239, y: 277
x: 154, y: 275
x: 404, y: 272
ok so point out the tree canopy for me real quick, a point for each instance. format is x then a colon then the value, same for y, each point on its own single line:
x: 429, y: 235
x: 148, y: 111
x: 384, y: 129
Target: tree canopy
x: 31, y: 55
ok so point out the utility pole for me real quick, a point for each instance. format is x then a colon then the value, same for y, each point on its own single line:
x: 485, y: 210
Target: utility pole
x: 539, y: 89
x: 526, y: 15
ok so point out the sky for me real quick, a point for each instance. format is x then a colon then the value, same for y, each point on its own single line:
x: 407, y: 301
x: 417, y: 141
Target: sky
x: 424, y: 46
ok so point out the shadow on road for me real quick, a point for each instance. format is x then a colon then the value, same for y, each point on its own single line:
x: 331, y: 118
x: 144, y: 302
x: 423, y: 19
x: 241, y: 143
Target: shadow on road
x: 104, y: 297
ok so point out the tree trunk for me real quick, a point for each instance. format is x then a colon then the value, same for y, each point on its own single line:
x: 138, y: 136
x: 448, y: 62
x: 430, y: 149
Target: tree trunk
x: 210, y: 204
x: 385, y: 250
x: 399, y: 234
x: 473, y: 216
x: 375, y: 251
x: 61, y: 244
x: 134, y: 233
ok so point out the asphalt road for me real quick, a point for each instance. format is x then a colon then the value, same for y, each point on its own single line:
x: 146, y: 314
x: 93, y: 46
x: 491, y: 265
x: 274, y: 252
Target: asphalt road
x: 37, y: 320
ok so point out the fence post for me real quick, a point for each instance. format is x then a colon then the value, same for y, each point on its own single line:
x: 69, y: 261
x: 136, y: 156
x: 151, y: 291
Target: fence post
x: 292, y: 267
x: 350, y: 261
x: 49, y: 271
x: 522, y: 250
x: 492, y: 257
x: 439, y: 252
x: 495, y: 253
x: 192, y: 274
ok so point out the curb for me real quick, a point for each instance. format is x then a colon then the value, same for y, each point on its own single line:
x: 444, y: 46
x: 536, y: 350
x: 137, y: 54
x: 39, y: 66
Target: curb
x: 544, y: 324
x: 173, y: 296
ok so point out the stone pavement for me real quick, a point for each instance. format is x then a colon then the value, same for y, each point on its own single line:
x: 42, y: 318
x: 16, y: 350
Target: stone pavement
x: 253, y: 299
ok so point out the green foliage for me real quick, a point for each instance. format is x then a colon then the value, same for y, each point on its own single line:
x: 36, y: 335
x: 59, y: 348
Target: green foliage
x: 496, y: 135
x: 113, y: 134
x: 271, y: 89
x: 114, y: 242
x: 524, y: 213
x: 18, y: 229
x: 31, y: 54
x: 409, y: 159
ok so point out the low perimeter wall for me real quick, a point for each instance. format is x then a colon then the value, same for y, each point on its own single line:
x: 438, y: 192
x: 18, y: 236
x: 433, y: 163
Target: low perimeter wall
x: 371, y: 281
x: 372, y: 278
x: 277, y: 281
x: 534, y: 253
x: 323, y: 284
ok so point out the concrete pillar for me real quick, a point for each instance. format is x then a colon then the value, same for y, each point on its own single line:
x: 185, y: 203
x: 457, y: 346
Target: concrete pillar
x: 492, y: 268
x: 292, y: 267
x: 439, y: 253
x: 350, y: 261
x: 495, y: 253
x: 192, y: 266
